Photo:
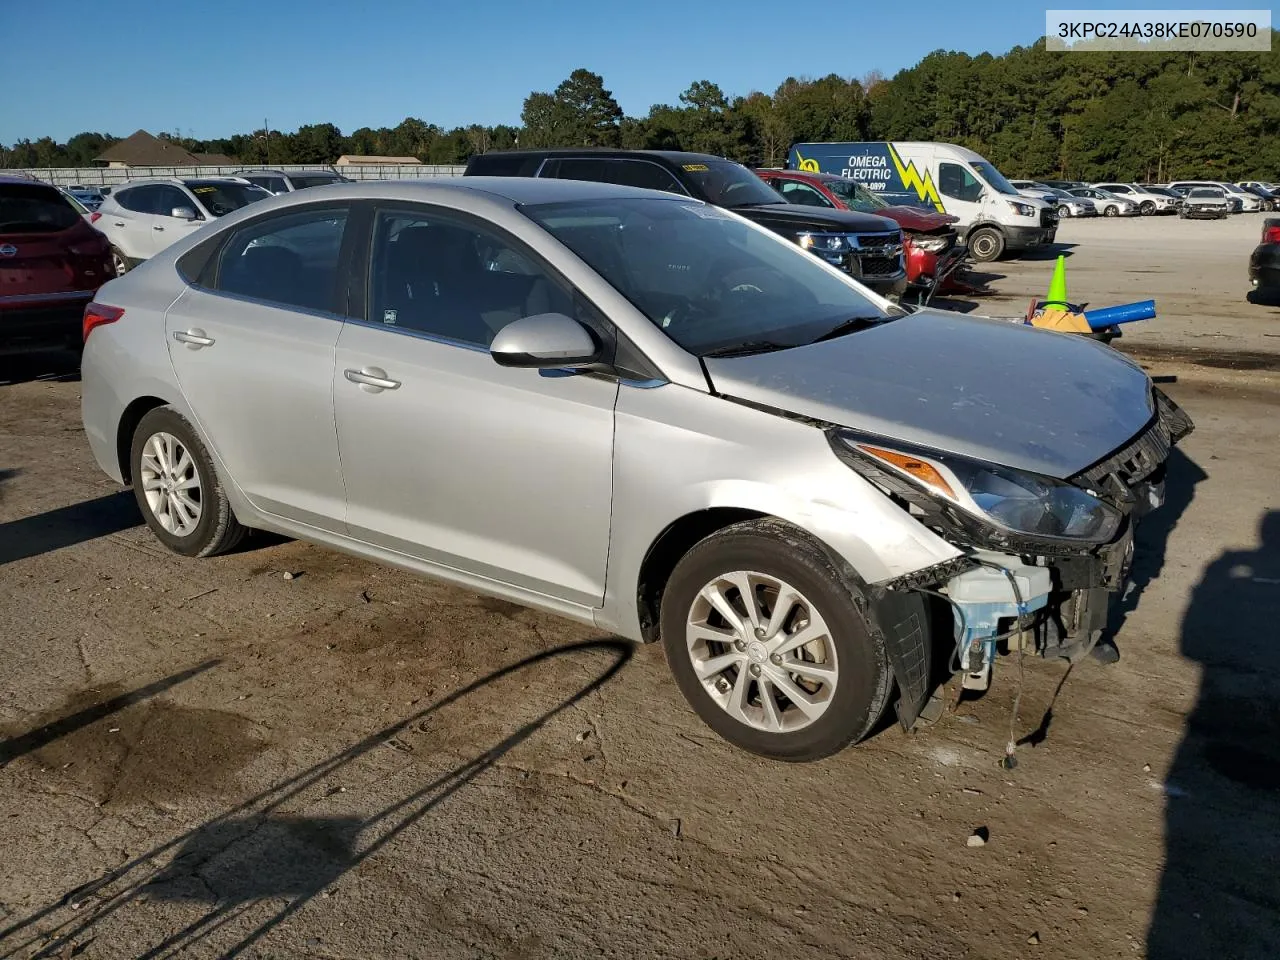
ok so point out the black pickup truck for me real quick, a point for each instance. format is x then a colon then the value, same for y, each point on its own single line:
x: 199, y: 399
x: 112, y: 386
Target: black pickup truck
x: 867, y: 246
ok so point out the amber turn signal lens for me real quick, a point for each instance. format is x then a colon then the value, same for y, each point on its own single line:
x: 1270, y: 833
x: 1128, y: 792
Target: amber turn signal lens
x: 922, y: 470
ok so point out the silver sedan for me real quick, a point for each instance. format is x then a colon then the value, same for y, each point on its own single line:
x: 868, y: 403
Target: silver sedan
x: 631, y: 409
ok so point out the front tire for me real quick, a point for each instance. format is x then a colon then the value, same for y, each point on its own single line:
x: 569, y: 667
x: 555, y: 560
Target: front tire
x: 1111, y: 210
x: 986, y: 244
x: 765, y: 642
x: 1147, y: 208
x: 1064, y: 212
x: 177, y: 488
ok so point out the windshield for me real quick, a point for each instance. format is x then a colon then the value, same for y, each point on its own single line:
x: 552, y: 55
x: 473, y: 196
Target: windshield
x: 222, y: 196
x: 35, y: 208
x: 1061, y: 194
x: 706, y: 278
x: 729, y: 184
x: 1234, y: 189
x: 855, y: 196
x: 994, y: 177
x: 312, y: 180
x: 1207, y: 192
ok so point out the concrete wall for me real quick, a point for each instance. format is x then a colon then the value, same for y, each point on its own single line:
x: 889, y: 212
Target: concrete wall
x: 111, y: 176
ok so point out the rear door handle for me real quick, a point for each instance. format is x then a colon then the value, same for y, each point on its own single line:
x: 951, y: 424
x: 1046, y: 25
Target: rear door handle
x: 194, y: 338
x: 157, y: 227
x: 119, y: 223
x: 372, y: 379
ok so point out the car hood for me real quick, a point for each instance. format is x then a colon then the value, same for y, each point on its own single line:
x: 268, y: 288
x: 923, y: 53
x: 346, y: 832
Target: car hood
x: 798, y: 217
x: 1052, y: 403
x: 919, y: 220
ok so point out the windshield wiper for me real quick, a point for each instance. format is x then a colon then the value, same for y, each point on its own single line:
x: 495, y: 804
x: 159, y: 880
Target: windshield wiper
x: 852, y: 325
x: 748, y: 347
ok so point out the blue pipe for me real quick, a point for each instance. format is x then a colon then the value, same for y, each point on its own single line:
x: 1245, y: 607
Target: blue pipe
x: 1125, y: 313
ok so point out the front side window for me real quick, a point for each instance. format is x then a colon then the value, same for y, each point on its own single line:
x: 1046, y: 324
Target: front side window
x: 453, y: 279
x: 220, y: 197
x: 795, y: 192
x: 291, y: 259
x: 165, y: 199
x: 958, y: 183
x: 34, y: 208
x: 641, y: 173
x: 705, y: 277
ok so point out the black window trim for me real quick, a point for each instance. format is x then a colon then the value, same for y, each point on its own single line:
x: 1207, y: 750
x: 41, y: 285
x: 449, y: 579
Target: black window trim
x: 684, y: 190
x: 640, y: 370
x: 210, y: 260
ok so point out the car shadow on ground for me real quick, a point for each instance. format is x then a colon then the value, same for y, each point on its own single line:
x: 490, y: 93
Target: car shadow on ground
x: 56, y: 366
x: 1264, y: 297
x: 1220, y: 890
x: 67, y: 526
x: 1051, y: 251
x: 252, y: 856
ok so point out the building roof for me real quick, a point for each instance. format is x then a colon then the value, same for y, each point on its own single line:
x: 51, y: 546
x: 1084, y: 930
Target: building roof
x: 349, y: 159
x: 141, y: 149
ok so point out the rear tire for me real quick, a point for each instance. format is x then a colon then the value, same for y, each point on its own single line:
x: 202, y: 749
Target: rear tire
x: 749, y: 687
x: 177, y: 488
x: 986, y: 244
x: 119, y: 262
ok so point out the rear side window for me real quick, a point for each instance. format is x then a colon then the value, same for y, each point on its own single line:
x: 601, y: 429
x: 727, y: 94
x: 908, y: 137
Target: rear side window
x: 135, y: 199
x: 290, y: 260
x: 317, y: 180
x: 34, y: 208
x: 503, y: 165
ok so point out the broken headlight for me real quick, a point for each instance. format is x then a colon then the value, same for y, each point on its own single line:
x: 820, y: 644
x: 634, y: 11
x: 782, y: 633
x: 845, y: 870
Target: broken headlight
x: 1014, y: 501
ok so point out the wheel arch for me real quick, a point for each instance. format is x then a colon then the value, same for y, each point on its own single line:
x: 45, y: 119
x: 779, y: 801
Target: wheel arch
x: 128, y: 424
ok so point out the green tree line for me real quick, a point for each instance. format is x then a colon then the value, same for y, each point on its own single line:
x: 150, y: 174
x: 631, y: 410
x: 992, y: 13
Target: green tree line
x: 1033, y: 113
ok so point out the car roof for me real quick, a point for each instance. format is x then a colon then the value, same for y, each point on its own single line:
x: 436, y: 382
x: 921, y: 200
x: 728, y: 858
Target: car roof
x: 513, y: 190
x: 141, y: 181
x: 671, y: 156
x: 284, y: 173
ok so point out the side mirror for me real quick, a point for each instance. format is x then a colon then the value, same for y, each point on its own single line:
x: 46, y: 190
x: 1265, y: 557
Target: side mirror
x: 544, y: 340
x: 183, y: 213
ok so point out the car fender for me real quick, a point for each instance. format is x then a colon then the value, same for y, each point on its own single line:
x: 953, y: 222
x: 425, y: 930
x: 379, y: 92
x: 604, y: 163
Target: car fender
x: 725, y: 456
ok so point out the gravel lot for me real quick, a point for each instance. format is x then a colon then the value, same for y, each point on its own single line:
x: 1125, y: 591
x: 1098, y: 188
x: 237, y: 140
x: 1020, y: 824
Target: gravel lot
x: 207, y: 758
x: 1197, y: 271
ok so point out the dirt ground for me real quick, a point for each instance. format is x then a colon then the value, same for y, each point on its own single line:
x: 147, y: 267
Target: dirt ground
x: 209, y: 758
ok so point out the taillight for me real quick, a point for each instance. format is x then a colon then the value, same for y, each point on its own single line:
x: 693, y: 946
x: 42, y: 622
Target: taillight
x: 95, y: 217
x: 96, y: 314
x: 1271, y: 233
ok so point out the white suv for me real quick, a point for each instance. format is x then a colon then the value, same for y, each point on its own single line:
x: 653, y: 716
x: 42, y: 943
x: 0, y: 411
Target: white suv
x: 142, y: 217
x: 1148, y: 203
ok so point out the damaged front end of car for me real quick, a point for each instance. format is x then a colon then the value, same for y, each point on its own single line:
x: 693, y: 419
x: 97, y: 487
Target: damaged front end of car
x: 1042, y: 556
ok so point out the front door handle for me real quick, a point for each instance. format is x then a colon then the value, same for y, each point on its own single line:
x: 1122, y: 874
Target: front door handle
x: 157, y: 227
x: 194, y: 338
x: 372, y: 379
x: 119, y: 223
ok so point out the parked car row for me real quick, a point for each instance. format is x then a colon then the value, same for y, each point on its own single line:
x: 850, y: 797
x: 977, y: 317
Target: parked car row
x: 59, y: 244
x: 661, y: 413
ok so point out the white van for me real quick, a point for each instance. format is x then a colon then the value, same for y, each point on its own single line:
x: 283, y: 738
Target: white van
x: 994, y: 217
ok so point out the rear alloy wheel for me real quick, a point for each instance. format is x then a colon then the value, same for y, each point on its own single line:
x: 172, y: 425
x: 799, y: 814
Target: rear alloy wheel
x: 177, y: 489
x: 1111, y: 210
x: 119, y: 262
x: 986, y: 244
x: 1147, y: 208
x: 765, y: 642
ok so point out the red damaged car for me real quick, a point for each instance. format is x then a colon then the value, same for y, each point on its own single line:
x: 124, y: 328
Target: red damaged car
x: 51, y: 263
x: 933, y: 250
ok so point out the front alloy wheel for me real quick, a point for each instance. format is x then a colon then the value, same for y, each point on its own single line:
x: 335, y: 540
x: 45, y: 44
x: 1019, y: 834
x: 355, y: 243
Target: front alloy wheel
x: 766, y: 636
x: 762, y: 651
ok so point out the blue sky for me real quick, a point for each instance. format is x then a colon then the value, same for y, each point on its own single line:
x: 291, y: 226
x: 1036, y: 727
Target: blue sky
x: 211, y: 69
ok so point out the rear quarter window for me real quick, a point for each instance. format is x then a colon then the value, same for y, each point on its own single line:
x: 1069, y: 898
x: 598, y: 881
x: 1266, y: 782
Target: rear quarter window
x: 35, y: 208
